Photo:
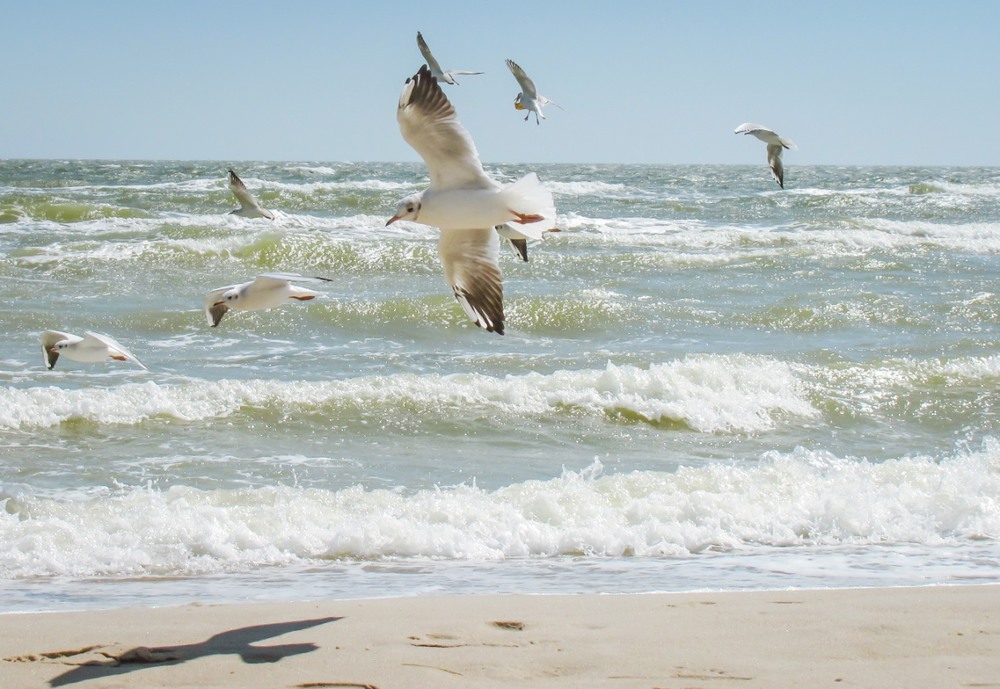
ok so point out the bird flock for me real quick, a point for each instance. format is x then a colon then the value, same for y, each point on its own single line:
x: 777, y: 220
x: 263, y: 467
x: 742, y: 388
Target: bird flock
x: 472, y: 211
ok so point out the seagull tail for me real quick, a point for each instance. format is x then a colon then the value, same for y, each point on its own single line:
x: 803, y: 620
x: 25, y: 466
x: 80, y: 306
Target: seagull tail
x: 545, y: 101
x: 529, y: 196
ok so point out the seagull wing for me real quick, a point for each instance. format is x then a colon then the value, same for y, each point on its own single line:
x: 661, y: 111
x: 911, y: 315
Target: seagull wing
x: 548, y: 101
x: 428, y: 57
x: 768, y: 136
x: 516, y: 239
x: 774, y: 160
x: 429, y: 124
x: 246, y: 199
x: 49, y: 339
x: 525, y: 82
x: 115, y: 349
x: 272, y: 280
x: 214, y: 313
x: 213, y: 310
x: 758, y: 130
x: 469, y: 259
x: 461, y: 72
x: 291, y: 277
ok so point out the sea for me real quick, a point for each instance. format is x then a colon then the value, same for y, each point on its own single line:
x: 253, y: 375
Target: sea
x: 707, y: 383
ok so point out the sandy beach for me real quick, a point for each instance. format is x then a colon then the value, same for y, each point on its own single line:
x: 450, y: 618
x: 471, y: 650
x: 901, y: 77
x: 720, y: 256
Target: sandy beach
x: 901, y: 637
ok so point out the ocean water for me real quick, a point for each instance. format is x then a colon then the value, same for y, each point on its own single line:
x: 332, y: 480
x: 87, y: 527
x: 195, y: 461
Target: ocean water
x: 707, y: 382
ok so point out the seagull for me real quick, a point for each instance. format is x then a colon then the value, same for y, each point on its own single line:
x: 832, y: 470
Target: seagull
x: 249, y: 208
x: 528, y: 99
x: 91, y: 348
x: 263, y: 292
x: 436, y: 71
x: 774, y: 146
x: 463, y: 201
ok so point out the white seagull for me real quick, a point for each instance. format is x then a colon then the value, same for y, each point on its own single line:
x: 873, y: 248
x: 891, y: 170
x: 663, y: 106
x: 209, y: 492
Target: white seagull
x: 266, y: 291
x: 447, y: 76
x: 89, y: 349
x: 463, y: 201
x: 528, y: 99
x: 249, y: 208
x: 774, y: 143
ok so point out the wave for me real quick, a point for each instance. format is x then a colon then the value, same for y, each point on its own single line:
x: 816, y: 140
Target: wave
x: 712, y: 394
x: 803, y: 498
x: 589, y: 188
x: 231, y: 250
x: 64, y: 211
x: 705, y: 393
x: 845, y: 237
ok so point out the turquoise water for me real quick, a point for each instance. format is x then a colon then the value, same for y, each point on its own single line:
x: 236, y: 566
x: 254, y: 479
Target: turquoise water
x: 706, y: 382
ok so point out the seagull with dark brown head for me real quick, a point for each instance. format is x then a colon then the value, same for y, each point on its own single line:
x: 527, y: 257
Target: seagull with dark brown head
x: 267, y: 291
x: 92, y: 348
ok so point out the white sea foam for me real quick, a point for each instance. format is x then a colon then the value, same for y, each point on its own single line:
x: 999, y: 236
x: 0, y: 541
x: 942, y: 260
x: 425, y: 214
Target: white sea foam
x: 709, y: 394
x: 588, y: 188
x: 359, y: 185
x: 801, y: 498
x: 857, y: 236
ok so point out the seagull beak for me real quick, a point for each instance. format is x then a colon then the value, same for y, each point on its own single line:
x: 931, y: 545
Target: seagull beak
x: 218, y: 303
x: 393, y: 219
x: 518, y: 106
x: 53, y: 349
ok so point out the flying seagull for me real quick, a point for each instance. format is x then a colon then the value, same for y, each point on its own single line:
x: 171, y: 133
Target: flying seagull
x: 249, y: 208
x: 528, y: 99
x: 463, y: 201
x: 91, y: 348
x: 774, y: 145
x: 447, y: 76
x: 266, y: 291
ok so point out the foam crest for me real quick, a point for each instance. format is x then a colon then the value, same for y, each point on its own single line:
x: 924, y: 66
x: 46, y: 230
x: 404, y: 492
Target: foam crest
x: 353, y: 185
x: 589, y: 188
x: 848, y: 238
x: 800, y: 499
x: 707, y: 394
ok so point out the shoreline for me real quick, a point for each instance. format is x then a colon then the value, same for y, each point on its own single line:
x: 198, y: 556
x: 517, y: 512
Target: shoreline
x: 919, y: 636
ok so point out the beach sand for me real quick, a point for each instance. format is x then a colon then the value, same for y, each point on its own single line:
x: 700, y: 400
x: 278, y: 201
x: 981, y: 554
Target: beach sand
x: 947, y: 636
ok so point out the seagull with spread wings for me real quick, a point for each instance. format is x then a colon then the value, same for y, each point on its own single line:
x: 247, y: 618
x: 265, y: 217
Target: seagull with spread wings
x: 249, y: 208
x: 775, y: 144
x: 528, y: 99
x: 90, y: 349
x: 463, y: 201
x: 266, y: 291
x: 447, y: 76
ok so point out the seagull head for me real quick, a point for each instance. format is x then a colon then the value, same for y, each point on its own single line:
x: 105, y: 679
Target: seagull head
x: 408, y: 209
x: 230, y: 298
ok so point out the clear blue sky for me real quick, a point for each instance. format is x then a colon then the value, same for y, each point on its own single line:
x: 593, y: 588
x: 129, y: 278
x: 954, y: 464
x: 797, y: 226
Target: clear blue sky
x: 852, y: 82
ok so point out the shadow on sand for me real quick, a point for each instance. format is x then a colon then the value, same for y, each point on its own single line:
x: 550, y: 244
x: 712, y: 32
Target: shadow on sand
x: 235, y: 641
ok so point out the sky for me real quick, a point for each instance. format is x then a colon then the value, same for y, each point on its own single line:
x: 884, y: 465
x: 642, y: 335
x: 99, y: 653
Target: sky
x: 852, y: 82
